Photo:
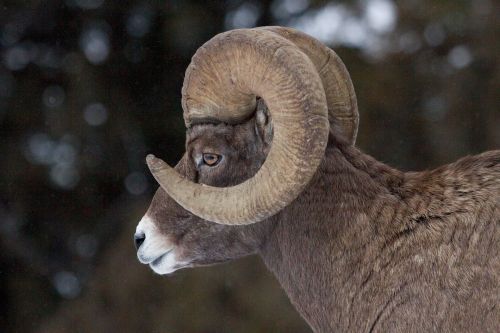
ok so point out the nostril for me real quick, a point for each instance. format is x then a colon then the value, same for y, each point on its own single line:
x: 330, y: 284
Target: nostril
x: 139, y: 239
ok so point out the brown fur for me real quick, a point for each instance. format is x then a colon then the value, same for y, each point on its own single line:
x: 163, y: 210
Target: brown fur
x: 365, y: 248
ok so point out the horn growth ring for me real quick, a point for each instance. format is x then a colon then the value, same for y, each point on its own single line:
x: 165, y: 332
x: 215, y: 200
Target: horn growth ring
x: 222, y: 82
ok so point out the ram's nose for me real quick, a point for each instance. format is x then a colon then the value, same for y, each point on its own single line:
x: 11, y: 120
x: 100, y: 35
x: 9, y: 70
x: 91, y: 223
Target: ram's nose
x: 139, y: 238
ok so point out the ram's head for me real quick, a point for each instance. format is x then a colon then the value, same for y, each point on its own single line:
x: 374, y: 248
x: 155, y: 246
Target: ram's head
x: 258, y: 106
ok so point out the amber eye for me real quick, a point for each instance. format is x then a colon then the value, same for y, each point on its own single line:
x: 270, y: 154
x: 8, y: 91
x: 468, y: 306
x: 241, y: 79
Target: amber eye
x: 211, y: 159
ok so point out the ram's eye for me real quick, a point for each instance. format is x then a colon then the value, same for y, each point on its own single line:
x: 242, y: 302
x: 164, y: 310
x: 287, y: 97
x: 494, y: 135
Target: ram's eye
x: 211, y: 159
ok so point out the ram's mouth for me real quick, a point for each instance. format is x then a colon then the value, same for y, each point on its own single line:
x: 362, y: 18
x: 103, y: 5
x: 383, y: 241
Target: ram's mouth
x: 145, y: 259
x: 167, y: 263
x: 159, y: 259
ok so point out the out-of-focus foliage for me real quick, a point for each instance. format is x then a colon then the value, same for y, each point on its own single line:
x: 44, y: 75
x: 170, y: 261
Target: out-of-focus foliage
x: 88, y: 87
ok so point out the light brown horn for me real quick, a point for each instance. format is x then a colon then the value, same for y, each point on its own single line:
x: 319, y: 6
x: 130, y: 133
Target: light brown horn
x: 340, y: 96
x: 222, y: 83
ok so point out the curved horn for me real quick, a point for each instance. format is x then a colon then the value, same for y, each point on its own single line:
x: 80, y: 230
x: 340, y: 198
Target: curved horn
x: 222, y: 82
x: 340, y: 96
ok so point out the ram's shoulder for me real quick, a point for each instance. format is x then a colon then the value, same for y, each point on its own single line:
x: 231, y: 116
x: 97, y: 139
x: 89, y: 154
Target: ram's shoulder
x: 480, y: 172
x: 487, y: 162
x: 471, y: 173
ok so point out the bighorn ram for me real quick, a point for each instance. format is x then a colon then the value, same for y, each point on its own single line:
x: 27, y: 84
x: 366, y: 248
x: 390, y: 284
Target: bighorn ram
x: 271, y: 168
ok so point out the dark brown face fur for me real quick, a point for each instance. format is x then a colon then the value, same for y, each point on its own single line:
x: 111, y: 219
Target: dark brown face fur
x: 240, y: 150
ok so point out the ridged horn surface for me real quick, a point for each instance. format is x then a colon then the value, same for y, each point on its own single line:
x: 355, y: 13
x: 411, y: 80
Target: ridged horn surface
x: 340, y: 95
x: 221, y: 84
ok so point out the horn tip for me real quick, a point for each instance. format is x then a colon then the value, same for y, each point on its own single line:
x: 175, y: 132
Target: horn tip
x: 150, y: 158
x: 153, y: 162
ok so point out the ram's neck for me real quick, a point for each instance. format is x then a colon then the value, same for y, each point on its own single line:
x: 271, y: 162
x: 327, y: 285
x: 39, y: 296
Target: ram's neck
x: 330, y: 225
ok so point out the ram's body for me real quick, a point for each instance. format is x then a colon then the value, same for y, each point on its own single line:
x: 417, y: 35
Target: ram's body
x: 357, y: 246
x: 367, y: 248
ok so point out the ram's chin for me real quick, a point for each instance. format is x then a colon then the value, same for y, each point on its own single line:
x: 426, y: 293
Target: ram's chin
x: 166, y: 264
x: 163, y: 270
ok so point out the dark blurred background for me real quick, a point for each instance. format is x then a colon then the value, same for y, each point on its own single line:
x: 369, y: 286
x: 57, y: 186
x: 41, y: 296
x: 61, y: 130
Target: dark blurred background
x: 88, y: 87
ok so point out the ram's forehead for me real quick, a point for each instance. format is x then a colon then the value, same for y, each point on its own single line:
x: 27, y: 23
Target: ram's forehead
x: 236, y: 134
x: 200, y: 130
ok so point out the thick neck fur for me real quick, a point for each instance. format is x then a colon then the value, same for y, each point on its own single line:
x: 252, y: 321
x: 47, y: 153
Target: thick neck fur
x: 369, y: 248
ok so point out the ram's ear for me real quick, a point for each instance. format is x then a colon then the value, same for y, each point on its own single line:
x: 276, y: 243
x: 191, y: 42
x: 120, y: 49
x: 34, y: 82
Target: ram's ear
x: 263, y: 123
